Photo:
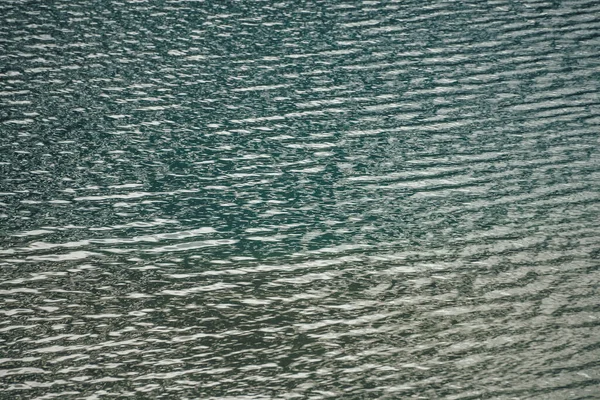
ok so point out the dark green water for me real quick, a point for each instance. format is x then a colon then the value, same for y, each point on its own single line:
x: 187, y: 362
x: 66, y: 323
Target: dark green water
x: 299, y: 199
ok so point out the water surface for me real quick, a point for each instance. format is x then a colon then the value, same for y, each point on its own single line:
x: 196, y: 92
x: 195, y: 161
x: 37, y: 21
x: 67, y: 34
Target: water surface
x: 299, y: 199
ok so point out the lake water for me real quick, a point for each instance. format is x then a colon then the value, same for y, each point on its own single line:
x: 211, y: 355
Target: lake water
x: 299, y: 199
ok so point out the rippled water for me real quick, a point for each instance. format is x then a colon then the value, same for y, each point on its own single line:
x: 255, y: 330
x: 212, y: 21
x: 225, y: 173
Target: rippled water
x: 299, y: 199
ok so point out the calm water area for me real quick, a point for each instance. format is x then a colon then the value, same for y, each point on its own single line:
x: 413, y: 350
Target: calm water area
x: 309, y: 199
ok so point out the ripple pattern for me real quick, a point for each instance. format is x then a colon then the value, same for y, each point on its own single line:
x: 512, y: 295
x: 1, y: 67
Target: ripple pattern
x: 299, y: 199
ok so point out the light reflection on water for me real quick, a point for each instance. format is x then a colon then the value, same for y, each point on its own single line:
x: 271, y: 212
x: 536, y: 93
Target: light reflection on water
x: 299, y: 200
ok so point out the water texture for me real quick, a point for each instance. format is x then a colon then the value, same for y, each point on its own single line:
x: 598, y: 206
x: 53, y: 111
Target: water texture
x: 299, y: 199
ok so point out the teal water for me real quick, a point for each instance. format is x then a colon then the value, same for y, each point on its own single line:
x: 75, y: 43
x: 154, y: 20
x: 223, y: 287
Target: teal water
x: 299, y: 199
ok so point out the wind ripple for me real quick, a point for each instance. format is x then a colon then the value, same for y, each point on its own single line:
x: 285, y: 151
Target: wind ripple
x: 278, y: 200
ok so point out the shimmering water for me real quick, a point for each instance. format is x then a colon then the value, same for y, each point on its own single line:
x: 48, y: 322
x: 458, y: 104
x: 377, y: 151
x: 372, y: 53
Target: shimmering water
x: 299, y: 199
